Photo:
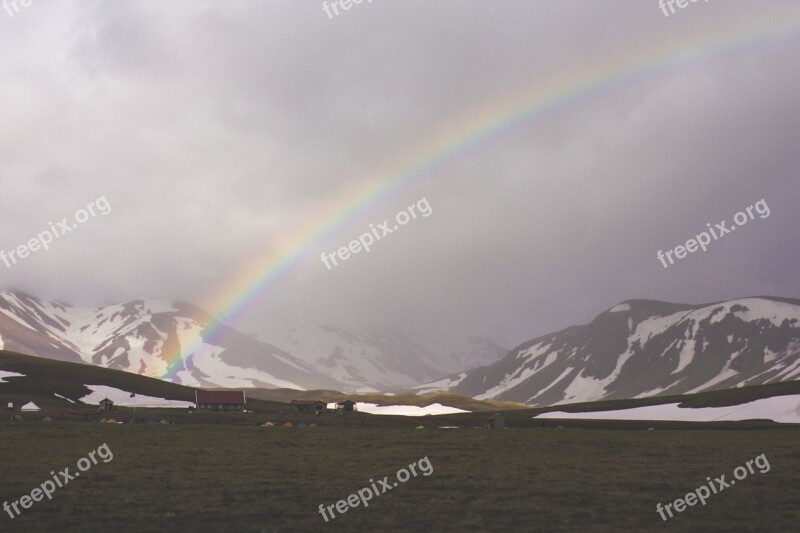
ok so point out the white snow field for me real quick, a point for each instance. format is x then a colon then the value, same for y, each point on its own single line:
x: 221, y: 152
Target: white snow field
x: 4, y: 374
x: 783, y: 409
x: 123, y: 398
x: 407, y: 410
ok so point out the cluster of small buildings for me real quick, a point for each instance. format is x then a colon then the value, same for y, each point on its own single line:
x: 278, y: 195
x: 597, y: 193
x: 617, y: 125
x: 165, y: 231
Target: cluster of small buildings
x: 235, y: 401
x: 319, y: 407
x: 232, y: 401
x: 29, y: 407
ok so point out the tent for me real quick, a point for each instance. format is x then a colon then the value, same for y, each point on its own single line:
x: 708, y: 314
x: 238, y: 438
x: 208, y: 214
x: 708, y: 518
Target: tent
x: 268, y: 425
x: 302, y: 425
x: 16, y: 418
x: 288, y: 425
x: 164, y: 423
x: 312, y: 425
x: 152, y: 423
x: 47, y: 419
x: 420, y: 427
x: 30, y: 407
x: 102, y: 421
x: 111, y: 421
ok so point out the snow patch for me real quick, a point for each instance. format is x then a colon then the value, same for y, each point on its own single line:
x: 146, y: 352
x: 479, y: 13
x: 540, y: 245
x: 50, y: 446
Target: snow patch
x: 407, y: 410
x: 553, y: 384
x: 443, y: 384
x: 57, y: 395
x: 15, y: 318
x: 783, y: 409
x: 123, y: 398
x: 184, y: 377
x: 726, y: 373
x: 509, y: 382
x: 4, y: 374
x: 366, y: 390
x: 656, y: 326
x: 585, y: 389
x: 686, y: 354
x: 205, y: 358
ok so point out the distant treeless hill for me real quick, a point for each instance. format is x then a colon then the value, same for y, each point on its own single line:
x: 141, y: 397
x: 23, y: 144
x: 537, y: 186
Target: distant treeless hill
x: 646, y: 348
x: 45, y: 378
x: 445, y: 398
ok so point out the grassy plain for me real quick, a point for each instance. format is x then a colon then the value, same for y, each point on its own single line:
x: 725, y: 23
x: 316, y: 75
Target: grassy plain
x: 197, y: 477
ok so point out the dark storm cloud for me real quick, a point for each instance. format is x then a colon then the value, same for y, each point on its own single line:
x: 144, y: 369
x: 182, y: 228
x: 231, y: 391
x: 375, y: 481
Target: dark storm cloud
x: 216, y: 128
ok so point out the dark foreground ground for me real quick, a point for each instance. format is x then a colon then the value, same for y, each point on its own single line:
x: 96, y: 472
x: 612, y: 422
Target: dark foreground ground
x: 246, y: 478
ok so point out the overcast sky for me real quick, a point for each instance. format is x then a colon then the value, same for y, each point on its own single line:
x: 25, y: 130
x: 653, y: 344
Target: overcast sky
x: 215, y: 129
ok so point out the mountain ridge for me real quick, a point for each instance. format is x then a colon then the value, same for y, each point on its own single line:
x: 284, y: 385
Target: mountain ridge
x: 145, y: 336
x: 641, y: 348
x: 141, y: 336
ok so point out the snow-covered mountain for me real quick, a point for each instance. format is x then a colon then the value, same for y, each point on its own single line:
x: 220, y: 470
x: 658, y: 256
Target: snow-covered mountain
x: 144, y: 337
x: 645, y: 348
x: 460, y: 354
x: 636, y: 349
x: 382, y: 359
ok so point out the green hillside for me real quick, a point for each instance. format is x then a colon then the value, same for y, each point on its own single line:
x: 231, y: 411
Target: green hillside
x: 445, y: 398
x: 721, y: 398
x: 44, y: 378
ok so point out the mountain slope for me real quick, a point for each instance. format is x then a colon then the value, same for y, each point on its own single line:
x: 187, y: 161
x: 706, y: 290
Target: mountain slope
x: 382, y: 359
x: 645, y: 348
x: 58, y: 383
x: 145, y: 337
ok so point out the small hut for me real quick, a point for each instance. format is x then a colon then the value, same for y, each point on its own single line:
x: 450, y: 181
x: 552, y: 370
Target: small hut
x: 106, y: 405
x: 308, y: 406
x: 345, y: 406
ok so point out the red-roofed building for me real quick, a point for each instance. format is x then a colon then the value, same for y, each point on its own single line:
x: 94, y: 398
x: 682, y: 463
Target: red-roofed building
x: 219, y: 400
x: 309, y: 406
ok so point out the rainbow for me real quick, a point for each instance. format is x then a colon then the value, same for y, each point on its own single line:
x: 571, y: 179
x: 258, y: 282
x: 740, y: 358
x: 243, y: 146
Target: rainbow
x: 269, y: 267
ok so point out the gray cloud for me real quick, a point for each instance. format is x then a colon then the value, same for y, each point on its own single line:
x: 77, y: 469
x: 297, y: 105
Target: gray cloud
x: 216, y: 129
